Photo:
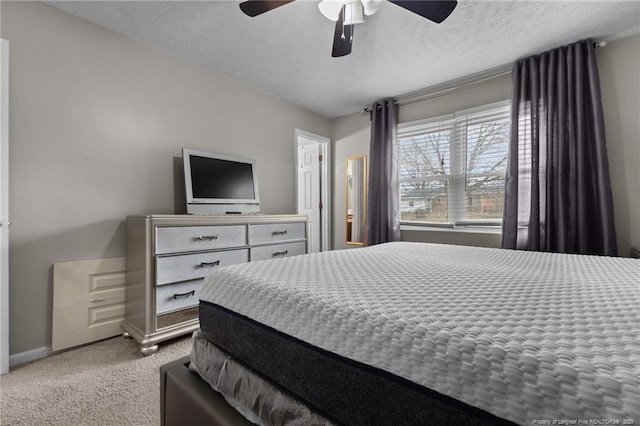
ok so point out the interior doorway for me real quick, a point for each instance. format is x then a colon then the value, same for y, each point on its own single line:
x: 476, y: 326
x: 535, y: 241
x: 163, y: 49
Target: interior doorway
x: 4, y: 206
x: 313, y: 187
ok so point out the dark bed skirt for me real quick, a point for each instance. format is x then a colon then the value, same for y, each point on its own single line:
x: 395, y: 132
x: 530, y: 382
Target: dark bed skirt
x: 350, y: 392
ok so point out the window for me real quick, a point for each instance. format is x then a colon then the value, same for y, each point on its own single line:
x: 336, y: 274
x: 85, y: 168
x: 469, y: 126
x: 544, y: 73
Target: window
x: 452, y: 168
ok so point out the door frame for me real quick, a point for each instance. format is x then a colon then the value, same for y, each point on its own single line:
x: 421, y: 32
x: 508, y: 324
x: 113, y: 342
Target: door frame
x: 4, y: 206
x: 325, y: 183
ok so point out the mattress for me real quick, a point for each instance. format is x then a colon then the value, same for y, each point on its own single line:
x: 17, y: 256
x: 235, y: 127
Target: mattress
x: 522, y: 335
x: 349, y: 392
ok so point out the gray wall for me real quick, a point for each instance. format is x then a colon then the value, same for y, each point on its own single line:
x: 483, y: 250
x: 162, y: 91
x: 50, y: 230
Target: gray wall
x: 350, y: 138
x: 619, y: 65
x: 97, y: 121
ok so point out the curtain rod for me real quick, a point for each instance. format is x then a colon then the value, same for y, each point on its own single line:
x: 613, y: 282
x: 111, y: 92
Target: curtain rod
x: 450, y: 87
x: 462, y: 83
x: 443, y: 89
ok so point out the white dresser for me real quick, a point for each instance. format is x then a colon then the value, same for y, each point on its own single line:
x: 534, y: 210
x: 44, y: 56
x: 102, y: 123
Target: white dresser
x: 168, y: 257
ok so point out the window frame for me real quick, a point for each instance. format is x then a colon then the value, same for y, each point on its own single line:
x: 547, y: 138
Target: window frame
x: 457, y: 175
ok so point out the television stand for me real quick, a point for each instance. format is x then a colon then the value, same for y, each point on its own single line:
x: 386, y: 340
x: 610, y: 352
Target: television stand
x: 168, y: 257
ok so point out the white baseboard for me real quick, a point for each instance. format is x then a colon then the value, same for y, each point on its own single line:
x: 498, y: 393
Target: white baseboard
x: 32, y: 355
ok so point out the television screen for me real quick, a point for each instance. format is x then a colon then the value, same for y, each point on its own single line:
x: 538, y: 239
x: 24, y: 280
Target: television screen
x: 221, y: 179
x: 219, y: 184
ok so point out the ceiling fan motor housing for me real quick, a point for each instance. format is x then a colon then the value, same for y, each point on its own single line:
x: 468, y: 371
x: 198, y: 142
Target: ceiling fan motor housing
x: 354, y: 9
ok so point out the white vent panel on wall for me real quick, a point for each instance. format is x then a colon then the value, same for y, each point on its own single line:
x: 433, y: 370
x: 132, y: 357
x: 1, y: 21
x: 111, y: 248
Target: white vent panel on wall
x: 88, y: 301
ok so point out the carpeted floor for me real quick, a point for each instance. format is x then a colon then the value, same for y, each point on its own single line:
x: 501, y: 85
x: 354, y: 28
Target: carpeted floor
x: 106, y: 383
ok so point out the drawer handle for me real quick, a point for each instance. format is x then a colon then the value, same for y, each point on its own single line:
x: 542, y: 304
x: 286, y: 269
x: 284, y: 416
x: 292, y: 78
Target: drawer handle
x: 207, y: 237
x: 208, y: 264
x: 280, y: 253
x: 274, y: 233
x: 187, y: 294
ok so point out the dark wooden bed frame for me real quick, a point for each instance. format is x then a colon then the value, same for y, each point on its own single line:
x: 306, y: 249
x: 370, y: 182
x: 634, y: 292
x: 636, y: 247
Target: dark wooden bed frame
x: 186, y: 399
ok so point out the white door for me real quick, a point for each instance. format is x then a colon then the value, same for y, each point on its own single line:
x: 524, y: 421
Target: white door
x: 309, y: 191
x: 4, y: 207
x: 313, y: 186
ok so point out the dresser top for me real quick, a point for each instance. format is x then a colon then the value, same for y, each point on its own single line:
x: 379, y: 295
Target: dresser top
x: 188, y: 219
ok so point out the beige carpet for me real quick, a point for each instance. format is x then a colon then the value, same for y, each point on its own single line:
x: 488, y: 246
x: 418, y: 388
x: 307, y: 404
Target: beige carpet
x: 106, y: 383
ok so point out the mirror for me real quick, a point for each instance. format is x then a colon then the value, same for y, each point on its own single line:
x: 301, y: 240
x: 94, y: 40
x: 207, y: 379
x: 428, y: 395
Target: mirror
x: 356, y: 190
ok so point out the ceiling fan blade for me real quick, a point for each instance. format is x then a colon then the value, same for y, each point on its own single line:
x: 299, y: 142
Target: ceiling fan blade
x: 436, y: 11
x: 258, y: 7
x: 342, y: 37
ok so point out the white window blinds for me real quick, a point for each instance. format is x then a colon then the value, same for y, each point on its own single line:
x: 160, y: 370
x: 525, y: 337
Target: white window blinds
x: 452, y: 168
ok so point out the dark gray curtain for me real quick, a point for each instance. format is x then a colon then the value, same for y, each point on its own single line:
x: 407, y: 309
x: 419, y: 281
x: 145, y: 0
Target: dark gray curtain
x: 558, y: 195
x: 383, y: 199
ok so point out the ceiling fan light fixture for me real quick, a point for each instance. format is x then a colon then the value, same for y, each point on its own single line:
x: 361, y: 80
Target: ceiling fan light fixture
x: 354, y: 13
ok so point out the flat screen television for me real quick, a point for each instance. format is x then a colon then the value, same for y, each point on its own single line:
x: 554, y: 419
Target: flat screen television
x: 220, y: 184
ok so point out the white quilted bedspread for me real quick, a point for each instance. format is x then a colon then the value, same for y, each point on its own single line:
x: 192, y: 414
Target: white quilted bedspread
x: 527, y: 336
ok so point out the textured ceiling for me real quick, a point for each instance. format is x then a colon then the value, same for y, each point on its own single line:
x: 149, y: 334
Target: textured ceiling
x: 287, y: 52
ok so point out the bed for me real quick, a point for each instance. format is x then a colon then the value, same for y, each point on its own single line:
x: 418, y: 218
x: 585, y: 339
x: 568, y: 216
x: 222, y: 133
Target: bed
x: 417, y: 333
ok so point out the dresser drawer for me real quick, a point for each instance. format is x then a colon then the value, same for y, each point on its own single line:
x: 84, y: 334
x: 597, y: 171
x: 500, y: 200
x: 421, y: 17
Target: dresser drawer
x: 187, y: 318
x: 176, y: 239
x: 276, y: 251
x: 177, y: 296
x: 171, y: 269
x: 270, y: 233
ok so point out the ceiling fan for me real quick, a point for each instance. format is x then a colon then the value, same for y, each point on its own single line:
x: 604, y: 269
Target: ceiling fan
x: 348, y: 13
